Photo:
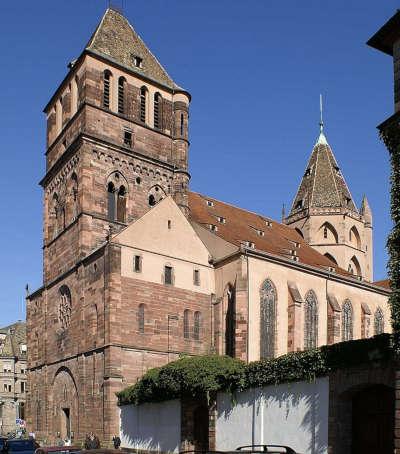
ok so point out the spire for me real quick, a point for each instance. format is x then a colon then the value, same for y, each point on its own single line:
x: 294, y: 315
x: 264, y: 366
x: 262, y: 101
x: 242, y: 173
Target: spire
x: 115, y: 40
x: 323, y: 185
x: 365, y: 210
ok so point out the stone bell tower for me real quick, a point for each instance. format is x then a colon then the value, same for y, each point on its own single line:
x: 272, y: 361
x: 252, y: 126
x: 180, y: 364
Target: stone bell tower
x: 324, y: 213
x: 117, y: 142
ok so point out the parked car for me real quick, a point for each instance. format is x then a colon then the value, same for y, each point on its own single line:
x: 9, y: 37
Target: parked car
x: 272, y: 449
x: 3, y: 441
x: 20, y: 446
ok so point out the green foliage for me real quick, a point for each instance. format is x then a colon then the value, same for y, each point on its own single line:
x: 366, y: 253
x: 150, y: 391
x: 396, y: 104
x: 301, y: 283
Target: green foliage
x: 391, y: 136
x: 202, y: 376
x: 197, y: 376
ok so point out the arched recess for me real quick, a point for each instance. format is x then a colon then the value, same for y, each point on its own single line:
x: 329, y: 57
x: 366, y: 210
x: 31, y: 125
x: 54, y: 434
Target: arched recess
x: 354, y: 266
x: 310, y: 320
x: 328, y: 233
x: 268, y: 310
x: 230, y: 320
x: 63, y: 404
x: 354, y: 237
x: 330, y: 257
x: 156, y: 193
x: 117, y: 194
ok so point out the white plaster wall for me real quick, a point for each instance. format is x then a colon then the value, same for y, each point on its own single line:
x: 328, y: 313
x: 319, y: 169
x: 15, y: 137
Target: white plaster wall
x: 153, y: 427
x: 295, y: 415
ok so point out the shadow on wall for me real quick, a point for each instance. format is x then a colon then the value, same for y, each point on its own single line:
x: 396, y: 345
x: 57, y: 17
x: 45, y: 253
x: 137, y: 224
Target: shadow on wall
x: 294, y: 414
x: 151, y: 427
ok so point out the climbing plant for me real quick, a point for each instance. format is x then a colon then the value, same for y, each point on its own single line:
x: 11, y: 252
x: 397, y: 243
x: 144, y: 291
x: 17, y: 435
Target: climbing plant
x: 390, y: 134
x: 203, y: 376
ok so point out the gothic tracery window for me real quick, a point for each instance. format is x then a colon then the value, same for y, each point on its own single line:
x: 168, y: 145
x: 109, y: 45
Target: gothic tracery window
x: 310, y: 321
x: 379, y: 321
x: 186, y: 327
x: 268, y: 320
x: 196, y: 325
x: 65, y: 307
x: 347, y: 321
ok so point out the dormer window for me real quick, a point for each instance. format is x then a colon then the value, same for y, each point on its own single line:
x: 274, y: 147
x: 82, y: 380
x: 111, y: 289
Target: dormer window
x: 308, y: 172
x: 213, y: 227
x: 138, y: 61
x: 221, y: 219
x: 268, y: 223
x: 209, y: 203
x: 337, y: 170
x: 260, y: 232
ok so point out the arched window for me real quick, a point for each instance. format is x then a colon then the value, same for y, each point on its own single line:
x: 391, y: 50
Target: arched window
x: 379, y: 321
x: 329, y: 233
x: 141, y: 318
x: 347, y: 321
x: 268, y: 320
x: 121, y: 95
x: 196, y: 325
x: 106, y: 89
x: 230, y: 324
x: 111, y: 201
x: 74, y: 195
x: 354, y: 266
x: 143, y: 104
x: 330, y: 257
x: 157, y: 110
x: 186, y: 328
x: 182, y: 124
x: 156, y: 194
x: 64, y: 307
x: 310, y: 321
x: 117, y: 197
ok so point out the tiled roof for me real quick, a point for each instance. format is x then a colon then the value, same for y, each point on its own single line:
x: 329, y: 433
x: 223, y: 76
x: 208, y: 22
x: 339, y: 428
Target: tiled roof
x: 384, y: 283
x: 116, y: 40
x: 15, y: 335
x: 238, y: 226
x: 322, y: 185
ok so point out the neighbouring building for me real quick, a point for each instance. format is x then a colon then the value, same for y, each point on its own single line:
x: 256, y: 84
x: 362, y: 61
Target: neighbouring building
x: 13, y: 367
x: 138, y: 269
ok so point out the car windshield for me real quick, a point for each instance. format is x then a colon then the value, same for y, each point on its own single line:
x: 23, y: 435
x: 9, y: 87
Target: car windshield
x: 21, y: 445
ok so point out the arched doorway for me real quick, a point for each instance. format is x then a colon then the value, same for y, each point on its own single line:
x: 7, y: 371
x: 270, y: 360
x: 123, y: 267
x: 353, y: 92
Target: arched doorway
x: 373, y: 420
x: 200, y: 428
x: 64, y: 400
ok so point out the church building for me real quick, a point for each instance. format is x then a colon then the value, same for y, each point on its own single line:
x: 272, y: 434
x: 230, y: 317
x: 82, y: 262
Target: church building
x: 139, y: 270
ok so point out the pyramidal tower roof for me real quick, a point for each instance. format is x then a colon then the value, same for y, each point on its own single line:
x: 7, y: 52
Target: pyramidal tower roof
x: 323, y: 186
x: 116, y: 40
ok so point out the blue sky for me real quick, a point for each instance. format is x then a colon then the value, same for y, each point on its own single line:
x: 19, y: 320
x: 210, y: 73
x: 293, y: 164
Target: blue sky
x: 255, y: 70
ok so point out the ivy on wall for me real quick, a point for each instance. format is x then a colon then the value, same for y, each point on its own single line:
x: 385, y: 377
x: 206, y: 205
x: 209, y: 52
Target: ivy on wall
x: 202, y: 376
x: 390, y: 134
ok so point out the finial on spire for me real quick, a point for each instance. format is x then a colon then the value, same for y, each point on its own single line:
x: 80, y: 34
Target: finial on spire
x: 321, y: 139
x: 321, y: 121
